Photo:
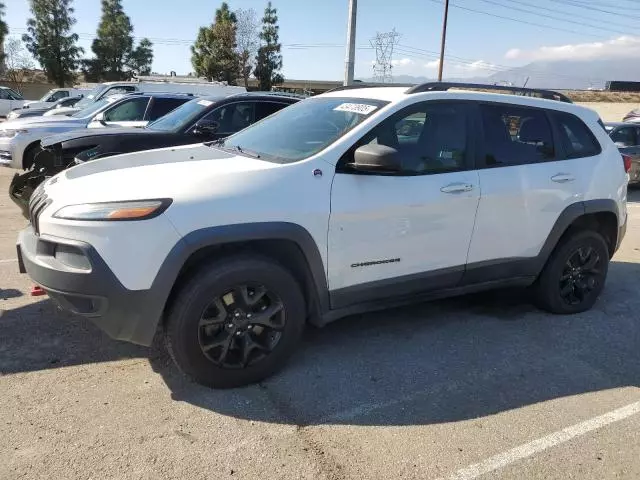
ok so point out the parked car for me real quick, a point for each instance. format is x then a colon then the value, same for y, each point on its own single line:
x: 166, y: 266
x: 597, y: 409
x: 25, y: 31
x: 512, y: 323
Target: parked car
x: 20, y: 139
x: 321, y: 211
x: 626, y: 136
x: 198, y: 120
x: 38, y: 112
x: 54, y: 95
x: 9, y: 100
x: 633, y: 116
x: 106, y: 89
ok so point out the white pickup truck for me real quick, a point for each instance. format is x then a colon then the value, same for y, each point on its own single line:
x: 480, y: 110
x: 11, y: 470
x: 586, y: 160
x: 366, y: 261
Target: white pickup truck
x: 9, y: 99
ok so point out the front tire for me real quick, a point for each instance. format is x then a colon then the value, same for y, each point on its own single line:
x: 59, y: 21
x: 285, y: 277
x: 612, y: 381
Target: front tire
x: 235, y: 322
x: 574, y: 275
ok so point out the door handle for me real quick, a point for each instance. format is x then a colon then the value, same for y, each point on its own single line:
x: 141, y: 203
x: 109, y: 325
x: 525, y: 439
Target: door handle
x: 457, y: 188
x: 563, y: 178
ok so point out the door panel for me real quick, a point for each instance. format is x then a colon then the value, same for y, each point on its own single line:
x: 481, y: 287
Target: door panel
x: 407, y: 221
x: 407, y: 232
x: 531, y: 180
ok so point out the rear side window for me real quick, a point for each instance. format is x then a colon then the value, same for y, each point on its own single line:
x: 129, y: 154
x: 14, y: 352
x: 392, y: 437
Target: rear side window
x: 577, y: 140
x: 625, y: 136
x: 161, y: 106
x: 516, y: 136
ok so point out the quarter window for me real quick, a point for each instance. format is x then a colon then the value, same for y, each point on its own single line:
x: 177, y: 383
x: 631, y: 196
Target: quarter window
x: 577, y: 140
x: 516, y: 136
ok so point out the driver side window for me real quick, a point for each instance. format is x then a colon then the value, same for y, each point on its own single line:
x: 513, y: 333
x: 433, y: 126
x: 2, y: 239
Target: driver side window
x: 430, y: 138
x: 128, y: 111
x: 232, y: 117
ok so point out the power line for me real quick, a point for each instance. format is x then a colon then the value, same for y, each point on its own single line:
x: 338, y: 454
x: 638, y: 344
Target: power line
x: 549, y: 27
x: 552, y: 17
x: 573, y: 3
x: 565, y: 13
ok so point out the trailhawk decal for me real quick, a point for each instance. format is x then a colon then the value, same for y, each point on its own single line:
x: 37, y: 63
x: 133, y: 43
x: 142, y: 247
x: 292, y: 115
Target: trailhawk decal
x: 360, y: 108
x: 375, y: 262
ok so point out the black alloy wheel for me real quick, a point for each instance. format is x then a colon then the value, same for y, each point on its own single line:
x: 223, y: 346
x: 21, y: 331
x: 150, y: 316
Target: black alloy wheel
x: 242, y: 326
x: 581, y: 275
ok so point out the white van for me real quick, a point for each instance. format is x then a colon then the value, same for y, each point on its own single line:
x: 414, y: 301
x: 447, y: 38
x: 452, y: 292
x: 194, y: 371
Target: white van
x: 9, y: 100
x: 54, y: 95
x: 102, y: 90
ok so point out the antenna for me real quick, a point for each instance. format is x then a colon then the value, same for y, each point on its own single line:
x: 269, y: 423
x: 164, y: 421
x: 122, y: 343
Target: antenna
x: 383, y: 44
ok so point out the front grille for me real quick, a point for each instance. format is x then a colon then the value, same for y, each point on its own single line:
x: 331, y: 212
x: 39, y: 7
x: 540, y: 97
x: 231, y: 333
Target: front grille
x: 38, y: 202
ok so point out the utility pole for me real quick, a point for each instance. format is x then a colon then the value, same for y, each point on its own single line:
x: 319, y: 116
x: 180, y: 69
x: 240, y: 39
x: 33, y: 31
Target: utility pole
x: 444, y: 39
x: 351, y: 43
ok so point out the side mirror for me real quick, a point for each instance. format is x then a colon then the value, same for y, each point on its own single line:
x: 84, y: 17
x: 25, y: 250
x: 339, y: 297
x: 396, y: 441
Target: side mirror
x: 376, y: 158
x: 206, y: 128
x: 99, y: 118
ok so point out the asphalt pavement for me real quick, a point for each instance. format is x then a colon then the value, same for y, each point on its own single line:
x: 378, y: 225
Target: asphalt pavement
x: 483, y: 386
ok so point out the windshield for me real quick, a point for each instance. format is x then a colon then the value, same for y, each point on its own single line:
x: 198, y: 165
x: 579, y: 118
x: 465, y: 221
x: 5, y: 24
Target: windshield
x: 181, y: 117
x: 303, y: 129
x: 46, y: 96
x: 91, y: 96
x: 92, y: 109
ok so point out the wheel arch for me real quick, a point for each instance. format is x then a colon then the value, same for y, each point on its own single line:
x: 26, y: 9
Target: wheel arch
x: 288, y: 244
x: 600, y: 215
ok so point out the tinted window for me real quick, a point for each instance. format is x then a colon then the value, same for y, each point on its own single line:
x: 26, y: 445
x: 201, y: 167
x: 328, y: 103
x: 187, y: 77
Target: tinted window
x: 515, y: 135
x: 181, y: 117
x: 264, y: 109
x: 127, y: 111
x: 58, y: 95
x: 317, y: 123
x: 161, y: 106
x: 233, y: 117
x: 429, y: 137
x: 4, y: 94
x: 626, y: 136
x: 577, y: 140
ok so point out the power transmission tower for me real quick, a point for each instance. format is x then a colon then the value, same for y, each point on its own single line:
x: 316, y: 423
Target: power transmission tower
x: 384, y: 43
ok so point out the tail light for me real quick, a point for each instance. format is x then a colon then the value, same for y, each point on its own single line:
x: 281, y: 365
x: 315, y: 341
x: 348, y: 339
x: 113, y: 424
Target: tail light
x: 626, y: 159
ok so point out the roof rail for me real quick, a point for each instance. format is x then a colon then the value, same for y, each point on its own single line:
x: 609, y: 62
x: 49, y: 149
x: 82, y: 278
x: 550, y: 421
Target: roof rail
x: 357, y: 85
x: 526, y: 92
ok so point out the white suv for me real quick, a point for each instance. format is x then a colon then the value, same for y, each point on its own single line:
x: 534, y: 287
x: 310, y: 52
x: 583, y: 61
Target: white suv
x: 346, y: 202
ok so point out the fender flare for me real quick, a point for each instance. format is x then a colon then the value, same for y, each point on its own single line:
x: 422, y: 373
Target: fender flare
x: 220, y: 235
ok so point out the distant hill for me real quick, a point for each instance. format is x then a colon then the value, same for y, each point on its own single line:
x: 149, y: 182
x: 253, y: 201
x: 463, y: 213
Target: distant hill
x: 561, y: 75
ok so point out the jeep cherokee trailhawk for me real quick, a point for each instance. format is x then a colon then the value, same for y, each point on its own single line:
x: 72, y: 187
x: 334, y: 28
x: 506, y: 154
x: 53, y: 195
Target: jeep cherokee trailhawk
x: 350, y: 201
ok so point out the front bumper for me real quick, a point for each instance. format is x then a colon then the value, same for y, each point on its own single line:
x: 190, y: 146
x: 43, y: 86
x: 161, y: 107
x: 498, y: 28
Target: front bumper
x: 79, y: 281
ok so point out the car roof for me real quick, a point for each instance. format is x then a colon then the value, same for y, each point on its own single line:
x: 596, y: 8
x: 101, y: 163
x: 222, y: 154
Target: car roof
x: 397, y: 94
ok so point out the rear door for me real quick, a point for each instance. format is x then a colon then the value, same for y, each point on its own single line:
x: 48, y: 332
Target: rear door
x: 531, y: 168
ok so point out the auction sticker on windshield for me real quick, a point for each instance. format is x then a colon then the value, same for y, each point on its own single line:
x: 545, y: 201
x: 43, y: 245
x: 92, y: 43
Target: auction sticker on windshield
x: 204, y: 103
x: 361, y: 108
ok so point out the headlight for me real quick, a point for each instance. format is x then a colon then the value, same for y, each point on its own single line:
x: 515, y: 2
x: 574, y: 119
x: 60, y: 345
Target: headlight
x: 12, y: 133
x: 133, y: 210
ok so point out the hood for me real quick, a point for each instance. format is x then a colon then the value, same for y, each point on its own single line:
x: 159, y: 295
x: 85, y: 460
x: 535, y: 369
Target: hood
x: 62, y: 111
x: 175, y: 172
x: 42, y: 122
x: 97, y: 132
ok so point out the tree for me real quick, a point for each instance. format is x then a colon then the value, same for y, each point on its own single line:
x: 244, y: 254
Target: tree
x: 269, y: 59
x: 115, y: 56
x: 248, y: 40
x: 50, y: 40
x: 18, y: 63
x: 214, y: 55
x: 4, y: 30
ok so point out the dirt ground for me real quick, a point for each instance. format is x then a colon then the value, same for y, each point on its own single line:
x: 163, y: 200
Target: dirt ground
x: 482, y: 386
x: 609, y: 111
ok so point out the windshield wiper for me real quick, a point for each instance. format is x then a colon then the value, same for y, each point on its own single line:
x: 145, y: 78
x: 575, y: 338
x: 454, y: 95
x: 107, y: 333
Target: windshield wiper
x: 246, y: 152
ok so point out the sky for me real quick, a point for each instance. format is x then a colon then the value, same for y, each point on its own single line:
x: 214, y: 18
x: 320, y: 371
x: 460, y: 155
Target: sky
x: 483, y: 36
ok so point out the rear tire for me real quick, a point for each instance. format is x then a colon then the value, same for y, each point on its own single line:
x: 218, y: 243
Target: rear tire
x: 235, y: 322
x: 574, y: 275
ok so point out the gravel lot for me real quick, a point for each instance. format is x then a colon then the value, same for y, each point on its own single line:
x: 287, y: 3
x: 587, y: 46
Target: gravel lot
x: 452, y: 389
